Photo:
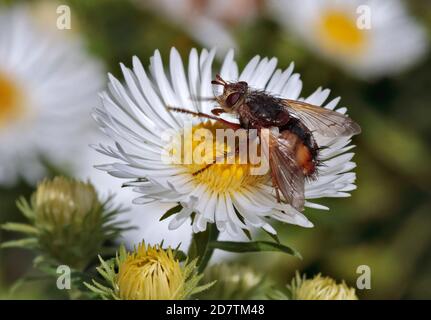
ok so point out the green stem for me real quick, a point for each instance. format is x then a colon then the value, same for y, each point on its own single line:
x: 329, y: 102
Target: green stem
x: 200, y: 246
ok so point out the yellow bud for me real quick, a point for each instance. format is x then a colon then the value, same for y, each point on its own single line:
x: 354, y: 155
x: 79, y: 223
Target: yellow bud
x: 320, y: 288
x: 150, y: 273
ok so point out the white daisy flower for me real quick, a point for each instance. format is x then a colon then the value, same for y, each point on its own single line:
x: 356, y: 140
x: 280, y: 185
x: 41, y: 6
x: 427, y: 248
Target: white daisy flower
x: 143, y: 217
x: 47, y: 89
x: 369, y: 38
x: 134, y: 115
x: 208, y: 21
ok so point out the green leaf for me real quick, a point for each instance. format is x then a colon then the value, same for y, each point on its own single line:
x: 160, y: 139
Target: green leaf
x: 247, y: 234
x: 256, y: 246
x: 203, y: 287
x: 19, y: 227
x: 273, y: 236
x: 25, y: 208
x: 95, y: 289
x: 278, y: 294
x: 27, y: 243
x: 180, y: 255
x: 25, y: 279
x: 39, y: 260
x: 171, y: 211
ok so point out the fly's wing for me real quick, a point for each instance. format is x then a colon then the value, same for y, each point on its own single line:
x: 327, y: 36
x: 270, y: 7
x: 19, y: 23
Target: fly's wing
x: 286, y: 174
x: 326, y: 122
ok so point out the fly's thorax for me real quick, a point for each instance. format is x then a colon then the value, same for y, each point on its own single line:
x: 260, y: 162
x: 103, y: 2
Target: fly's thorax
x: 267, y: 110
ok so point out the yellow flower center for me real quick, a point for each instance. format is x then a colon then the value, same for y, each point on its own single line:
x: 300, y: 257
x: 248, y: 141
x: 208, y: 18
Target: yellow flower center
x: 10, y: 101
x: 339, y: 33
x: 202, y: 148
x: 150, y: 273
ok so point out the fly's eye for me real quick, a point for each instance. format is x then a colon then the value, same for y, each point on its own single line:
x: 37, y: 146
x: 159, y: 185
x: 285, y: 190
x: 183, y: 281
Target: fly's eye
x: 232, y: 99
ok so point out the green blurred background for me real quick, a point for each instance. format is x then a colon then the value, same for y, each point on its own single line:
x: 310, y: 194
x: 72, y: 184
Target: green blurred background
x: 386, y: 223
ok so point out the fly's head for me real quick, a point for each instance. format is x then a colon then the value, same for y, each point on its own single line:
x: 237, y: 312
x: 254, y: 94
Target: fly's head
x: 233, y: 96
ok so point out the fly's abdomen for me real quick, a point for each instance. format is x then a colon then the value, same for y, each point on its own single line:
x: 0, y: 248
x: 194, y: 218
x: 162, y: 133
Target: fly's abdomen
x: 305, y: 159
x: 305, y: 147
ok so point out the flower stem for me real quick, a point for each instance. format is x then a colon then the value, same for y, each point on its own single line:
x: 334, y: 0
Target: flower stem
x: 200, y: 246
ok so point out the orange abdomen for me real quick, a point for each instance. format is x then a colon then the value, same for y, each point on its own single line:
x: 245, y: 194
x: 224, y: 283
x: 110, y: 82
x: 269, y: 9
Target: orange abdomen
x: 305, y: 159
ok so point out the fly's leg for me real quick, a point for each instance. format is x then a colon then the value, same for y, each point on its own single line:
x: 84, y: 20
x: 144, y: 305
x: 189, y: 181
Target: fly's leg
x: 207, y: 166
x: 277, y: 193
x: 203, y: 169
x: 196, y: 98
x: 225, y: 155
x: 234, y: 126
x: 275, y: 184
x: 217, y: 111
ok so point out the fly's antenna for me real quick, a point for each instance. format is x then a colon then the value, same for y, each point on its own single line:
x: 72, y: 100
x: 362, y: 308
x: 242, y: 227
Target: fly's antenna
x: 219, y: 80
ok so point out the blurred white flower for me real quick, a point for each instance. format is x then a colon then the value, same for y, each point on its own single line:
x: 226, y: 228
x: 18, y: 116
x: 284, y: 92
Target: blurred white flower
x: 48, y: 86
x: 369, y: 38
x: 207, y: 21
x: 134, y: 116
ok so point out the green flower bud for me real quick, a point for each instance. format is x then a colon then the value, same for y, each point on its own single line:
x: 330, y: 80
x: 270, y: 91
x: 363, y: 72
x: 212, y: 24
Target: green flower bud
x: 69, y: 222
x: 62, y: 201
x: 235, y: 282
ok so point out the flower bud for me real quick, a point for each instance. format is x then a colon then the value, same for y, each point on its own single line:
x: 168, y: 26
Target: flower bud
x: 63, y: 201
x: 235, y: 282
x: 69, y: 223
x: 147, y: 273
x: 320, y: 288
